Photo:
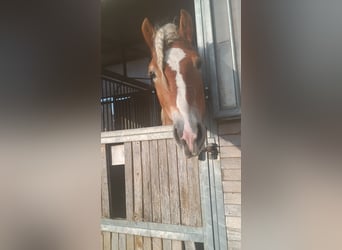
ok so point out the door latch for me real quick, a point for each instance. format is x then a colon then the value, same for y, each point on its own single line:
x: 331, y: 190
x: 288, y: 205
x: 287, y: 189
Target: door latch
x: 212, y: 150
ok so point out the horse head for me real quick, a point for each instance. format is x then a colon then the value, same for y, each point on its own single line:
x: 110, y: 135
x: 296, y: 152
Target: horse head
x: 175, y: 71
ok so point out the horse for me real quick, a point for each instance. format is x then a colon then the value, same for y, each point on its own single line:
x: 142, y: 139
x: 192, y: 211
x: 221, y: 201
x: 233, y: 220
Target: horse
x: 175, y: 71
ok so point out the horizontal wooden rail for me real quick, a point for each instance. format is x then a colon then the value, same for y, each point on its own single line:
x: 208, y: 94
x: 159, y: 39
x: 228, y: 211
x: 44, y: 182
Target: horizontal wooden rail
x: 149, y: 229
x: 139, y: 134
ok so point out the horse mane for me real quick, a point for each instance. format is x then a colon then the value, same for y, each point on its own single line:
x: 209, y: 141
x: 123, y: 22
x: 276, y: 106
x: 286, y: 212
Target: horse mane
x: 165, y: 35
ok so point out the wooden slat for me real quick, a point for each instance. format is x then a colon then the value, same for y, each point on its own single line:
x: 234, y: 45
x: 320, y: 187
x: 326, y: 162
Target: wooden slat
x: 173, y: 180
x: 157, y: 244
x: 231, y: 174
x: 232, y: 198
x: 164, y: 188
x: 231, y: 186
x: 155, y: 187
x: 189, y: 245
x: 104, y: 183
x: 183, y: 187
x: 122, y: 242
x: 174, y: 188
x: 233, y: 222
x: 164, y: 182
x: 194, y: 192
x: 176, y: 245
x: 138, y: 190
x: 129, y: 192
x: 232, y: 210
x: 147, y: 243
x: 232, y: 151
x: 101, y: 238
x: 234, y: 234
x: 231, y: 163
x: 106, y: 240
x: 234, y: 244
x: 115, y: 241
x: 147, y: 198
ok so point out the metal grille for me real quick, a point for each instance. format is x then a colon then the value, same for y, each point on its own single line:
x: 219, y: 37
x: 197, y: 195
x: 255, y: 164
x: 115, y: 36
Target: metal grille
x: 124, y: 106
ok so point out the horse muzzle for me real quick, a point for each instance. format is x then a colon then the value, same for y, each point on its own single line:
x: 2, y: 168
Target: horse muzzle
x: 191, y: 140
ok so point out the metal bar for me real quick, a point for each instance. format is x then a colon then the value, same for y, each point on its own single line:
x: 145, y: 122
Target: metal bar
x: 233, y: 51
x: 127, y: 80
x: 206, y: 205
x: 149, y: 229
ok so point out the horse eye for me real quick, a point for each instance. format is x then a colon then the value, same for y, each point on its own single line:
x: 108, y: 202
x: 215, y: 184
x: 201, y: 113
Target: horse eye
x: 152, y: 74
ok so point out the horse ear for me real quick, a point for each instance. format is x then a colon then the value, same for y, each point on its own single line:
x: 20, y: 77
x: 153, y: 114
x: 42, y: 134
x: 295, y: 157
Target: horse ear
x: 185, y: 25
x: 148, y: 32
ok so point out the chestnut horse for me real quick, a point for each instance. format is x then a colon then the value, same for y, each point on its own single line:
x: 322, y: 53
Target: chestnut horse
x: 175, y: 70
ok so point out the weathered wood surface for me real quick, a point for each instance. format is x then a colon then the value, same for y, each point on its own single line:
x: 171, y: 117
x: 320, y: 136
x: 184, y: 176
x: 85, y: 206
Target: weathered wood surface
x: 129, y: 242
x: 115, y: 241
x: 162, y: 186
x: 106, y: 240
x: 174, y: 188
x: 230, y: 153
x: 138, y: 191
x: 147, y: 196
x: 104, y: 183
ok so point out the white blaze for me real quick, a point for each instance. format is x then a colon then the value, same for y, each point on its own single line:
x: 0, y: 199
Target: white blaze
x: 173, y: 57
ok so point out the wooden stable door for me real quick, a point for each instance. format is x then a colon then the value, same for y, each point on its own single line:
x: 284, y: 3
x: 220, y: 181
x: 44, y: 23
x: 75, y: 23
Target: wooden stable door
x: 152, y: 196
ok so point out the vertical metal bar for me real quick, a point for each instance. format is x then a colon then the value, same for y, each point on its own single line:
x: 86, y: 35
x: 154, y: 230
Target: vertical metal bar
x: 233, y: 51
x: 206, y: 205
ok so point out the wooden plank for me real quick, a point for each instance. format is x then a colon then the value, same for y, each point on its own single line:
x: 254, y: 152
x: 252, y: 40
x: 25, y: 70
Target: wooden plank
x: 104, y: 183
x: 173, y: 180
x: 147, y: 197
x: 174, y: 188
x: 155, y: 187
x: 176, y: 245
x: 231, y: 163
x: 232, y: 198
x: 234, y: 245
x: 106, y: 240
x: 233, y: 222
x: 194, y: 192
x: 167, y: 244
x: 232, y: 210
x: 189, y: 245
x: 230, y: 140
x: 164, y: 182
x: 164, y: 188
x: 147, y: 243
x: 157, y: 244
x: 151, y: 229
x: 101, y: 238
x: 183, y: 187
x: 234, y: 234
x: 129, y: 192
x: 231, y: 186
x: 122, y: 242
x: 231, y: 174
x: 229, y: 127
x: 138, y: 190
x: 115, y: 241
x: 232, y: 151
x: 139, y: 134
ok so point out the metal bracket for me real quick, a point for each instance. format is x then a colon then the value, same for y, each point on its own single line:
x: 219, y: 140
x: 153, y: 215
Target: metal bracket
x: 212, y: 151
